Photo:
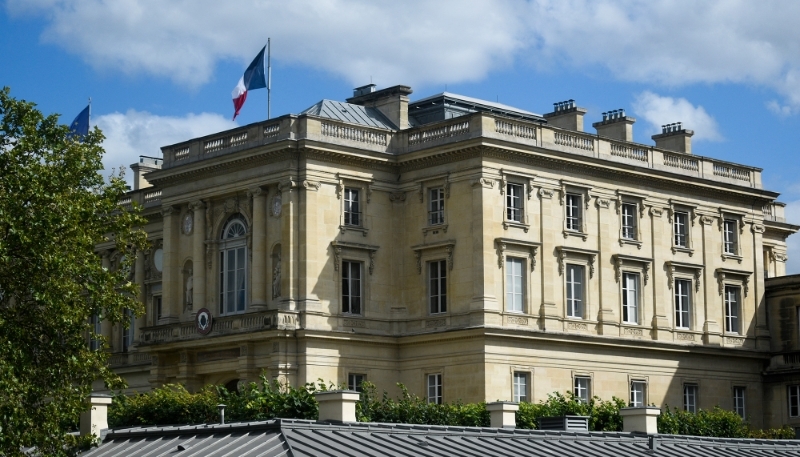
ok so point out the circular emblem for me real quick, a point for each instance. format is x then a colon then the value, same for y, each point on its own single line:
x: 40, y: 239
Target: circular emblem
x: 188, y: 223
x: 276, y: 206
x: 203, y: 321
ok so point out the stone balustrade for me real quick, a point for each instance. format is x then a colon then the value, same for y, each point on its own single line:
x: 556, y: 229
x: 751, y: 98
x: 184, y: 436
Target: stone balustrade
x: 478, y: 125
x: 222, y: 325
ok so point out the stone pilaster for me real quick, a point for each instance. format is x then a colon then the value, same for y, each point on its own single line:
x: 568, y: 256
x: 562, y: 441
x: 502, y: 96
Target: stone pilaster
x: 170, y: 277
x: 259, y: 270
x: 141, y: 321
x: 198, y: 255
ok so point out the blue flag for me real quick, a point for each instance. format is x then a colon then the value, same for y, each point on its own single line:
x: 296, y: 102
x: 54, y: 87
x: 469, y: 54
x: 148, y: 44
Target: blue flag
x: 80, y: 126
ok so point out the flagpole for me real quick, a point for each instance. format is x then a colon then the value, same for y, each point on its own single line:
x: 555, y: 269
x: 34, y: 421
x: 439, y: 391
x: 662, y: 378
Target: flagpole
x: 269, y: 78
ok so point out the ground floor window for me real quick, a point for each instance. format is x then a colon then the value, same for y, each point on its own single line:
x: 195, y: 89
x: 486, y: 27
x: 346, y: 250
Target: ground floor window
x: 520, y: 386
x: 354, y: 381
x: 582, y: 388
x: 690, y: 398
x: 638, y: 389
x: 794, y: 401
x: 435, y: 388
x: 738, y: 401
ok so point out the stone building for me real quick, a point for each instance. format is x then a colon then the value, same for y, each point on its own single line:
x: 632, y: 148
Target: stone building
x: 467, y: 249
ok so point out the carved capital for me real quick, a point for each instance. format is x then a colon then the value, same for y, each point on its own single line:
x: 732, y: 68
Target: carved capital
x: 546, y: 193
x: 311, y: 185
x: 757, y: 228
x: 168, y: 211
x: 656, y: 212
x: 256, y: 192
x: 197, y: 205
x: 483, y: 182
x: 602, y: 202
x: 706, y: 220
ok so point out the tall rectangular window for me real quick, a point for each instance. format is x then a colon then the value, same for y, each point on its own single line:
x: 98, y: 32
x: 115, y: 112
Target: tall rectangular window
x: 739, y: 401
x: 681, y: 230
x: 232, y: 280
x: 437, y: 288
x: 629, y: 221
x: 730, y: 237
x: 583, y: 387
x: 638, y: 389
x: 690, y: 398
x: 575, y: 291
x: 514, y: 202
x: 351, y: 287
x: 436, y: 206
x: 732, y: 309
x: 520, y: 386
x: 157, y: 308
x: 127, y: 333
x: 794, y: 401
x: 352, y: 207
x: 515, y: 284
x: 683, y: 303
x: 354, y: 381
x: 574, y: 213
x: 630, y: 298
x: 435, y: 388
x: 94, y: 343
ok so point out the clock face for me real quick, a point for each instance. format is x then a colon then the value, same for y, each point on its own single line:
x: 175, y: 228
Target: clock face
x: 187, y: 224
x: 276, y: 206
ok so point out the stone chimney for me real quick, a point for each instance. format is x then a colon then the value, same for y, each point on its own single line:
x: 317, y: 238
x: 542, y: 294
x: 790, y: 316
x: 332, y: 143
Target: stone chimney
x: 503, y: 414
x: 566, y: 115
x: 641, y: 419
x: 95, y: 419
x: 145, y: 165
x: 337, y: 405
x: 615, y: 125
x: 674, y: 137
x: 392, y: 102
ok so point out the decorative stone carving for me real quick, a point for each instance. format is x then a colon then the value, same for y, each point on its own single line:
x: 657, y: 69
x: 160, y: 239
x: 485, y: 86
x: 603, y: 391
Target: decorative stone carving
x: 706, y: 220
x: 483, y: 182
x: 757, y: 228
x: 656, y: 212
x: 546, y: 193
x: 395, y: 197
x: 315, y: 185
x: 602, y: 202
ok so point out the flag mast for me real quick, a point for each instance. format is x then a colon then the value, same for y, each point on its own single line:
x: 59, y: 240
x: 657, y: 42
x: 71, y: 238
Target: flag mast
x: 269, y: 78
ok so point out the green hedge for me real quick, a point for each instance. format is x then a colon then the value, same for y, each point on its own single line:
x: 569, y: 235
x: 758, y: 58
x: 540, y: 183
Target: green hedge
x: 172, y: 404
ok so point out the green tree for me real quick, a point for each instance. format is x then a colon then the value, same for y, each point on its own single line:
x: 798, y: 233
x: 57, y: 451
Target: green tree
x: 55, y: 206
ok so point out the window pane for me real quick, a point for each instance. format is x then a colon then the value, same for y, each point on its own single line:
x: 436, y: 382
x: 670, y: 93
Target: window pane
x: 582, y: 386
x: 637, y: 393
x: 520, y: 387
x: 629, y: 221
x: 630, y: 298
x: 574, y: 290
x: 682, y: 303
x: 690, y: 398
x: 514, y: 284
x: 732, y: 309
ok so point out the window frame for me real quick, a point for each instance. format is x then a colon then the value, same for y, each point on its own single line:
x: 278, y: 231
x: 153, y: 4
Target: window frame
x: 436, y: 216
x: 348, y: 202
x: 437, y: 396
x: 364, y: 189
x: 510, y: 283
x: 637, y: 294
x: 632, y: 393
x: 354, y: 383
x: 691, y: 394
x: 688, y: 303
x: 573, y: 203
x: 793, y: 394
x: 441, y: 286
x: 238, y: 247
x: 740, y: 401
x: 633, y: 229
x: 514, y: 192
x: 577, y: 388
x: 127, y: 334
x: 733, y: 321
x: 347, y: 299
x: 680, y: 236
x: 517, y: 394
x: 730, y: 237
x: 571, y: 311
x: 689, y: 210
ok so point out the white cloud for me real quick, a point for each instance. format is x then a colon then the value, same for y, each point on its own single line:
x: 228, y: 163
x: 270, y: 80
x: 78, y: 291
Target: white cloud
x: 780, y: 110
x: 665, y: 42
x: 406, y: 42
x: 136, y: 133
x: 658, y: 110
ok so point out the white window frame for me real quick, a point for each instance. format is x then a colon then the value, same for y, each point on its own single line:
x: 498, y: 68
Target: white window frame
x: 688, y: 209
x: 515, y: 284
x: 730, y: 237
x: 349, y: 300
x: 353, y: 214
x: 363, y: 188
x: 793, y: 393
x: 437, y: 286
x: 682, y: 303
x: 355, y: 380
x: 629, y: 295
x: 629, y: 221
x: 740, y: 401
x: 576, y: 306
x: 582, y: 388
x: 520, y: 382
x: 732, y: 298
x: 680, y: 229
x: 436, y: 206
x: 690, y: 396
x: 638, y: 393
x: 435, y: 388
x: 574, y: 212
x: 236, y: 246
x: 515, y: 203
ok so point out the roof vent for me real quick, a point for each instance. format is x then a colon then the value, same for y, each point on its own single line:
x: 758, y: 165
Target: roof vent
x: 364, y: 90
x: 565, y: 423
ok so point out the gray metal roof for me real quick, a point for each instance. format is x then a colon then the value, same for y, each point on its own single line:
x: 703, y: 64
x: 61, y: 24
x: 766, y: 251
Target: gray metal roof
x: 289, y: 437
x: 346, y: 112
x: 475, y: 101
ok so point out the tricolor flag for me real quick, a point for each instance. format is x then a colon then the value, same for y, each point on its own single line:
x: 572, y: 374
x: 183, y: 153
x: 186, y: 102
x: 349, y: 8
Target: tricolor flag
x: 80, y: 125
x: 254, y: 78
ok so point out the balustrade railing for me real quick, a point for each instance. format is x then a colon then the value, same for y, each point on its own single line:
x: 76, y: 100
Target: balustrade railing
x: 574, y: 141
x: 437, y: 133
x: 348, y: 132
x: 682, y: 162
x: 731, y: 172
x: 629, y: 152
x: 515, y: 129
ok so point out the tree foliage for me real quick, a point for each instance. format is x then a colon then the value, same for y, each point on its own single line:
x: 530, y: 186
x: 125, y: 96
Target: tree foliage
x: 55, y: 206
x: 603, y: 415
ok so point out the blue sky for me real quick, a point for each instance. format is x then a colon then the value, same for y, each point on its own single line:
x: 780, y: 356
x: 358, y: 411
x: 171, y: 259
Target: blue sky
x: 162, y: 71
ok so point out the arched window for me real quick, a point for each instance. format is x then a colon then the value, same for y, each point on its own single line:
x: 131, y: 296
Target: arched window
x: 233, y: 268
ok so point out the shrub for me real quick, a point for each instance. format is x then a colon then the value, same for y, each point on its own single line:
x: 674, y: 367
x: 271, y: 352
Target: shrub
x: 603, y: 415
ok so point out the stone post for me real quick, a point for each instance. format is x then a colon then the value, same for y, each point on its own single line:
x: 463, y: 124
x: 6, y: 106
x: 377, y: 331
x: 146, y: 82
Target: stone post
x: 337, y: 405
x: 259, y: 271
x: 199, y: 255
x: 95, y: 418
x: 642, y: 419
x: 503, y: 414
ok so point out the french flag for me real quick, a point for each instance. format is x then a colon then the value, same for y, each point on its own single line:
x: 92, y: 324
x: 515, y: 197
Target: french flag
x: 254, y: 78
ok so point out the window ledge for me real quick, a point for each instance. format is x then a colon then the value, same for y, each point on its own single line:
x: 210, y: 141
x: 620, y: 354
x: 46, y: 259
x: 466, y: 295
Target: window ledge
x: 569, y: 233
x: 685, y: 334
x: 434, y: 229
x: 354, y: 228
x: 624, y: 241
x: 676, y: 249
x: 738, y: 258
x: 523, y: 226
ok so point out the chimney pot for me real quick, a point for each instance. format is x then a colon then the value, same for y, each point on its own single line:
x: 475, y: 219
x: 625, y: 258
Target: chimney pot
x: 95, y: 419
x: 337, y: 405
x: 566, y: 115
x: 615, y: 125
x: 503, y: 414
x: 641, y: 419
x: 674, y: 137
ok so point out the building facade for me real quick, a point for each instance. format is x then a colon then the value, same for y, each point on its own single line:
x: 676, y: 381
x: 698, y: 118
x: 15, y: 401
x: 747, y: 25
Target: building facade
x: 467, y: 249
